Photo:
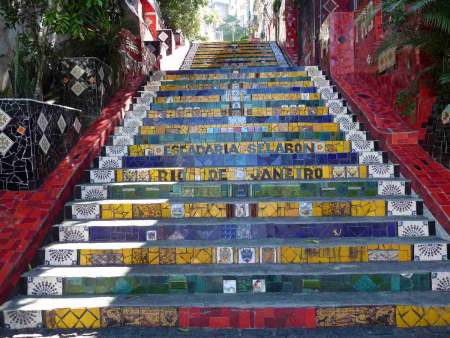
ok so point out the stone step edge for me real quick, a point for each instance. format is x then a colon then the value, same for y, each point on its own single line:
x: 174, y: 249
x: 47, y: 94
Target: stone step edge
x: 335, y: 269
x: 245, y: 243
x: 262, y: 221
x: 325, y: 299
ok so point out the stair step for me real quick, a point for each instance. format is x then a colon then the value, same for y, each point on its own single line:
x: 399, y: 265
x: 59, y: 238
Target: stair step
x: 244, y: 189
x: 277, y: 251
x: 236, y: 148
x: 248, y: 208
x: 265, y: 173
x: 130, y: 136
x: 269, y: 278
x: 244, y: 160
x: 206, y: 229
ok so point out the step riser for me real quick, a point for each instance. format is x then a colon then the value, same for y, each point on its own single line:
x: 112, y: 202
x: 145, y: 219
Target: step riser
x: 245, y: 190
x: 81, y: 233
x: 265, y: 173
x: 239, y: 148
x: 242, y: 255
x: 241, y: 160
x: 224, y: 317
x: 128, y: 136
x: 158, y: 210
x: 191, y: 284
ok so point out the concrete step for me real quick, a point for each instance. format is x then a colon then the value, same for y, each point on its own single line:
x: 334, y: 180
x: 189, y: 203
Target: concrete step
x: 274, y: 251
x: 244, y: 207
x: 265, y: 173
x: 243, y: 189
x: 238, y: 148
x: 241, y: 228
x: 268, y: 278
x: 231, y: 310
x: 242, y: 160
x: 130, y: 136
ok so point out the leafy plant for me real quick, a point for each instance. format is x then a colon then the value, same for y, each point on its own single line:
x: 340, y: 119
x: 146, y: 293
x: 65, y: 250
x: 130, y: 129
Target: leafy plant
x: 423, y: 24
x: 183, y: 15
x: 40, y: 22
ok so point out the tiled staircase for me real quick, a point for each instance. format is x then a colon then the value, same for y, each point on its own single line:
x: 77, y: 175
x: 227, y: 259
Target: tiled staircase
x: 241, y: 195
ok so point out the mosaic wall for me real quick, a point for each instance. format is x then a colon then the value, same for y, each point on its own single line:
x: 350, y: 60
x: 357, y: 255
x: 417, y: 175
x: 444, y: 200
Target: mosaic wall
x: 88, y: 85
x: 34, y: 138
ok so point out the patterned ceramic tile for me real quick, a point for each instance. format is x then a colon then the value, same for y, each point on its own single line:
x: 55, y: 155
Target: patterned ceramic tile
x: 389, y: 188
x: 16, y: 319
x: 63, y: 257
x: 241, y: 210
x: 177, y: 210
x: 440, y: 281
x: 102, y: 176
x: 229, y: 286
x: 430, y: 252
x: 44, y: 286
x: 259, y: 285
x: 94, y: 192
x: 417, y: 316
x: 86, y: 211
x: 413, y: 229
x: 73, y: 234
x: 109, y: 162
x: 381, y: 171
x: 247, y: 255
x: 85, y: 318
x: 401, y: 208
x: 224, y: 255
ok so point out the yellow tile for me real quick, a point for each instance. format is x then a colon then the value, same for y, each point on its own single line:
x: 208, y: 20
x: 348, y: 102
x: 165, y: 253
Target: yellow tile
x: 368, y: 208
x: 84, y: 318
x: 153, y: 256
x: 203, y: 256
x: 184, y: 255
x: 418, y: 316
x: 117, y: 211
x: 291, y: 255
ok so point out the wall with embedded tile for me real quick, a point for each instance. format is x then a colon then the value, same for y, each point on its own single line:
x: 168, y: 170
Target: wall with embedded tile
x: 34, y: 137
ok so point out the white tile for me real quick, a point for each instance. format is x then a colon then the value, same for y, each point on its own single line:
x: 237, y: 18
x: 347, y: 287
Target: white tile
x: 415, y: 228
x: 109, y: 162
x: 123, y: 140
x: 440, y: 281
x: 259, y: 285
x: 44, y: 286
x: 4, y: 119
x: 401, y: 208
x: 60, y: 257
x: 224, y: 255
x: 381, y: 171
x: 16, y: 320
x: 229, y: 286
x: 44, y: 144
x: 86, y: 211
x: 430, y: 252
x: 241, y: 210
x: 102, y: 176
x: 305, y: 209
x: 177, y: 210
x: 370, y: 157
x: 391, y: 188
x: 5, y: 144
x: 73, y: 234
x: 247, y: 255
x: 42, y: 122
x: 116, y: 150
x: 151, y: 235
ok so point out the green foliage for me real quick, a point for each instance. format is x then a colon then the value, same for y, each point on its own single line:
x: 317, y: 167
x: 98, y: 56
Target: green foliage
x: 423, y: 24
x: 39, y: 22
x: 276, y: 6
x: 232, y: 29
x: 183, y: 15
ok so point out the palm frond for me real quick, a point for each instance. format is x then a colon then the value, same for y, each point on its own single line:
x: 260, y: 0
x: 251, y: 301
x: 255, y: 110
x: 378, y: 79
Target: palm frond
x: 445, y: 78
x: 438, y: 20
x: 420, y: 4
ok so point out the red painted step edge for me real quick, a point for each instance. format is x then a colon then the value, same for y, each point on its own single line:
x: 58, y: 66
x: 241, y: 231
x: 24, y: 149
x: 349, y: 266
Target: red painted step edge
x: 429, y: 178
x: 26, y: 217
